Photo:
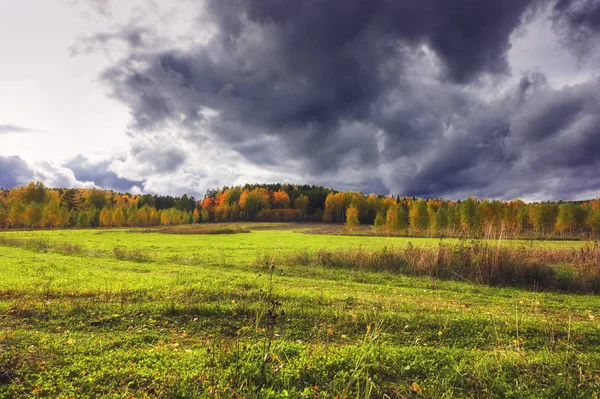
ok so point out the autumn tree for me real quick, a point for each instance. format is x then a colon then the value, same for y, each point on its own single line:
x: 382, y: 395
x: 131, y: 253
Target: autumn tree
x: 335, y: 208
x: 543, y: 217
x: 593, y: 221
x: 281, y: 199
x: 16, y: 216
x: 392, y: 222
x: 352, y: 221
x: 252, y: 201
x: 105, y: 217
x: 565, y: 218
x: 197, y: 216
x: 118, y: 218
x: 419, y: 218
x: 207, y: 209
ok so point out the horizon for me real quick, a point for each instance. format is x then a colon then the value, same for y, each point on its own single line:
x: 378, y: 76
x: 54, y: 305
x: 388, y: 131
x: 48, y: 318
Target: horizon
x: 494, y: 100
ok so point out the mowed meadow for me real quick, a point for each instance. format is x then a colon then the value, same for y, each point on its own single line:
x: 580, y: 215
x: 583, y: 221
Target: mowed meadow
x: 294, y: 310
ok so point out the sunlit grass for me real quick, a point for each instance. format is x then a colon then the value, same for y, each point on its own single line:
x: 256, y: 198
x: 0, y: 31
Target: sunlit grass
x: 190, y: 321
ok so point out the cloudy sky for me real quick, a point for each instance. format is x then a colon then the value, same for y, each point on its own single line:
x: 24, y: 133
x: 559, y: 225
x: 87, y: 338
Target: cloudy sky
x: 429, y: 98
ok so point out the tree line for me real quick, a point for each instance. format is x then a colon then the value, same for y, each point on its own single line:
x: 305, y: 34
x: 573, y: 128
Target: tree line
x: 409, y: 215
x: 36, y: 206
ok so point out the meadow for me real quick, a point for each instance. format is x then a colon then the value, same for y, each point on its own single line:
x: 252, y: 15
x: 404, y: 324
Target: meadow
x: 272, y: 311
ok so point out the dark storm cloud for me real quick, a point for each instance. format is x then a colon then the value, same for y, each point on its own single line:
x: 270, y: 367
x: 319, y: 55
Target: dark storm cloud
x: 281, y: 67
x: 14, y: 171
x: 99, y: 174
x: 567, y: 128
x: 399, y: 89
x: 579, y: 23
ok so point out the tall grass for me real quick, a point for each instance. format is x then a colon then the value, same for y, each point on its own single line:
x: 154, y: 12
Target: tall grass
x: 42, y: 244
x: 484, y: 262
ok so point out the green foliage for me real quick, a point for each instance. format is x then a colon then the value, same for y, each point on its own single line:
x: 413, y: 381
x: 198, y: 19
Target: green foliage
x: 379, y: 220
x: 97, y: 199
x: 469, y: 216
x: 34, y: 192
x: 441, y: 222
x: 82, y: 220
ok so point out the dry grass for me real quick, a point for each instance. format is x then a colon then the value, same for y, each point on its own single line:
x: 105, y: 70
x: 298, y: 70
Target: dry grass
x: 484, y: 262
x: 372, y: 231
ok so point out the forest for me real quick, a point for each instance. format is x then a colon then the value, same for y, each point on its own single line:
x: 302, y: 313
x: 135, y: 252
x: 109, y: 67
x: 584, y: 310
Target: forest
x: 37, y: 206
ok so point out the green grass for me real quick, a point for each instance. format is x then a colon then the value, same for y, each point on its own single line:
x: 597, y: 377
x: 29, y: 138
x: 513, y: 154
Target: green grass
x: 126, y: 313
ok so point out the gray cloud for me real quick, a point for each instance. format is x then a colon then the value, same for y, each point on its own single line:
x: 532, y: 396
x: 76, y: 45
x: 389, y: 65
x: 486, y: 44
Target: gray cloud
x: 13, y: 129
x: 135, y: 37
x: 417, y: 95
x: 14, y: 171
x: 99, y: 174
x: 578, y: 21
x: 100, y: 6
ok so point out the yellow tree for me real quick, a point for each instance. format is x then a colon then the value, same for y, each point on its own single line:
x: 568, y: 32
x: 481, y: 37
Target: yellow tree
x: 118, y: 218
x: 335, y: 207
x: 565, y: 219
x: 16, y: 216
x: 391, y: 219
x: 154, y: 219
x: 133, y: 218
x: 105, y: 217
x: 51, y: 215
x: 352, y: 218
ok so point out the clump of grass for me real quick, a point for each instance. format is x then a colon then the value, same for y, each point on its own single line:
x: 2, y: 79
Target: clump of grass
x: 475, y: 261
x: 68, y: 248
x: 201, y: 229
x: 135, y: 255
x: 42, y: 245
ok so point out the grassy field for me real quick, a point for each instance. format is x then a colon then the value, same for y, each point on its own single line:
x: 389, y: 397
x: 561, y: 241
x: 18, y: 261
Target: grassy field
x: 140, y: 313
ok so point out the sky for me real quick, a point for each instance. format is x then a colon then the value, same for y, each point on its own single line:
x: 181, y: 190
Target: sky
x: 426, y: 98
